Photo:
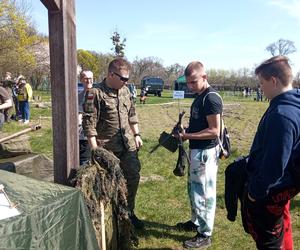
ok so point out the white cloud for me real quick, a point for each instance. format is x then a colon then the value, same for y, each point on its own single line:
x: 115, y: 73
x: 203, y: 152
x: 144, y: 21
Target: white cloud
x: 292, y: 7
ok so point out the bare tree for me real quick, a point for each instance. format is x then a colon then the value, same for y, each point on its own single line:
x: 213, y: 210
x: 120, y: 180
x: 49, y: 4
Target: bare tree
x: 172, y: 73
x: 40, y: 74
x: 297, y: 80
x: 149, y: 66
x: 281, y: 47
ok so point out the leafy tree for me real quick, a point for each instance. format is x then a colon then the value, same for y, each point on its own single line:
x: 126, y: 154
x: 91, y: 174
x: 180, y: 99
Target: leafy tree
x: 281, y: 47
x: 96, y: 62
x: 18, y: 38
x: 102, y: 61
x: 88, y: 61
x: 119, y: 45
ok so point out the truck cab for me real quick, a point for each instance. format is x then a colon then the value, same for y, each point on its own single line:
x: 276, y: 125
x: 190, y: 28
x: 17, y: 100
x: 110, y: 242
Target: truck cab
x: 153, y: 85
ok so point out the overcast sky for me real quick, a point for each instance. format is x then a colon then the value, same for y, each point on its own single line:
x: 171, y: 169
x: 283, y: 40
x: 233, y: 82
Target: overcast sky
x: 222, y: 34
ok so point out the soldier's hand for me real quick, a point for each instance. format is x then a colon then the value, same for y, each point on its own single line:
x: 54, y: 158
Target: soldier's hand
x: 138, y: 141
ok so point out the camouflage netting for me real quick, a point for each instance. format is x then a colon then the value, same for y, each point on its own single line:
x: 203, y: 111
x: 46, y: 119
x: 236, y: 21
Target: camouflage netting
x: 103, y: 181
x: 15, y: 147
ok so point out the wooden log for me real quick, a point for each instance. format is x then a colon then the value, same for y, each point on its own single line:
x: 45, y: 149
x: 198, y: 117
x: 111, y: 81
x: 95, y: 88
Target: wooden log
x: 22, y: 132
x: 103, y: 238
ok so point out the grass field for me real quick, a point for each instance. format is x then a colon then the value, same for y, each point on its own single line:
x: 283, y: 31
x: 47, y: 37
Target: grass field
x: 162, y: 197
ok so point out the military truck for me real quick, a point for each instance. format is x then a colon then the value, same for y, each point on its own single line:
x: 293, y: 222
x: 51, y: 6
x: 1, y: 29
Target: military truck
x: 180, y: 84
x: 153, y: 85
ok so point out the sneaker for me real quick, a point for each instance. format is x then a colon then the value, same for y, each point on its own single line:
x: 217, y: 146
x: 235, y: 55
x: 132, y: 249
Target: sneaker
x: 136, y: 222
x: 26, y: 122
x: 187, y: 226
x: 199, y: 241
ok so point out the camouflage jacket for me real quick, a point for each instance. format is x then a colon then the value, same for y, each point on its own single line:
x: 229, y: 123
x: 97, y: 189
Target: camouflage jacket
x: 108, y: 114
x: 4, y: 96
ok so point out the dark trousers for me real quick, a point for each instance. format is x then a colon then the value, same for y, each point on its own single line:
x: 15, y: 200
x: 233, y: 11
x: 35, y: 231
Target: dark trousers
x: 84, y: 152
x: 264, y: 220
x: 17, y: 109
x: 131, y: 167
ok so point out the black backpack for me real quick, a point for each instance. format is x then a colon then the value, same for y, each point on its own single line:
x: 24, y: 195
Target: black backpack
x: 224, y: 139
x: 224, y: 142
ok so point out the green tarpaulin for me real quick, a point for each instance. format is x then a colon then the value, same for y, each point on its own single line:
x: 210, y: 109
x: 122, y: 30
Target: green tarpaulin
x: 181, y: 79
x: 52, y: 216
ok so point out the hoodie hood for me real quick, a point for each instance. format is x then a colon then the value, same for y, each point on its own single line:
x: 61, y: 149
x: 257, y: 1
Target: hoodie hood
x: 291, y: 97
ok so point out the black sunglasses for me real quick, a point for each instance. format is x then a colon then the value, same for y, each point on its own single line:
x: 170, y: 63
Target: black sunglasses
x: 122, y: 78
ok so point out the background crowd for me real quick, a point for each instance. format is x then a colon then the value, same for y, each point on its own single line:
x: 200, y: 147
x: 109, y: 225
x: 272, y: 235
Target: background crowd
x: 16, y: 93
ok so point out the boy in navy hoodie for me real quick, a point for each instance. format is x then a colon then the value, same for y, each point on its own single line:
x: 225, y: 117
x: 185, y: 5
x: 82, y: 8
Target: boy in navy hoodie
x: 271, y: 182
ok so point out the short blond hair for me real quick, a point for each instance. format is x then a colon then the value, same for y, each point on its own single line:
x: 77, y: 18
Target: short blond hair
x: 194, y: 66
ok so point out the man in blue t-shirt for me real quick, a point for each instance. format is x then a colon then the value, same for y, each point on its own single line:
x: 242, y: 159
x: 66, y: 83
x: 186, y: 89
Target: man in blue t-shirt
x: 202, y: 133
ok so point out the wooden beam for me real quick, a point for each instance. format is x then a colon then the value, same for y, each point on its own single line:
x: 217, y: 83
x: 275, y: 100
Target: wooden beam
x: 63, y: 64
x: 53, y: 5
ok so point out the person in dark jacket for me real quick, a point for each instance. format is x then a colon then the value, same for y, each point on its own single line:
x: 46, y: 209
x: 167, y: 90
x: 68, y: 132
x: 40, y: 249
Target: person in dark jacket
x: 271, y: 183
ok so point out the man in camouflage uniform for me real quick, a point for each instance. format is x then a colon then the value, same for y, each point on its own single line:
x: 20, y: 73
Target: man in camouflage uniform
x: 110, y: 121
x: 5, y: 103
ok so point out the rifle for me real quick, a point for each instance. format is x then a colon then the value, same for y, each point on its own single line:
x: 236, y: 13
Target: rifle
x: 167, y: 140
x: 183, y: 158
x: 171, y: 143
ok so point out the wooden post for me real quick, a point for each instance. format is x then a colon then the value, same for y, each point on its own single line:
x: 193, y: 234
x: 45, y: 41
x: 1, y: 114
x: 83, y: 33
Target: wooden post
x: 63, y: 65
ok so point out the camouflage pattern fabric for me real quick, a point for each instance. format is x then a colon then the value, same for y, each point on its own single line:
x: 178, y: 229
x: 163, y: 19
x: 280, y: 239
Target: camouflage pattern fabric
x: 108, y: 114
x: 16, y: 146
x: 103, y: 181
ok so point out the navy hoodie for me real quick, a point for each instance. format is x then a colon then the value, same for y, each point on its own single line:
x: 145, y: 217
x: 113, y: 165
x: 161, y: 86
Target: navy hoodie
x: 275, y: 144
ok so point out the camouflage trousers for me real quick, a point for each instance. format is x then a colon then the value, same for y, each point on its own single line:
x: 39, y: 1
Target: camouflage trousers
x: 2, y: 119
x: 131, y: 166
x: 202, y: 179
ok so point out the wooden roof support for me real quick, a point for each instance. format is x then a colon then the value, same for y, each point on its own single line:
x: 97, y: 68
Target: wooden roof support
x: 63, y: 65
x: 52, y: 4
